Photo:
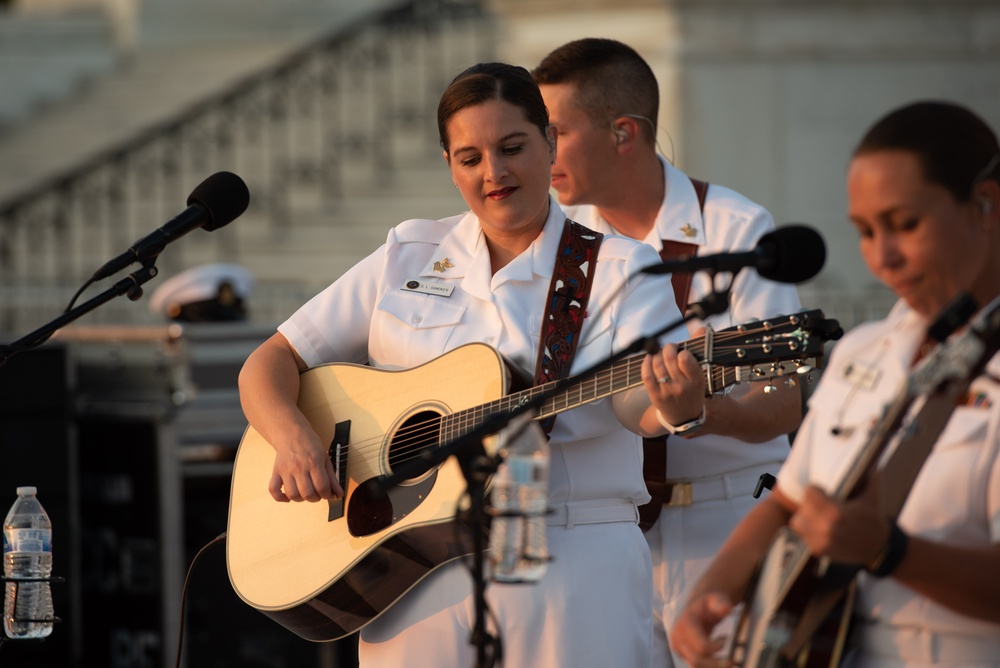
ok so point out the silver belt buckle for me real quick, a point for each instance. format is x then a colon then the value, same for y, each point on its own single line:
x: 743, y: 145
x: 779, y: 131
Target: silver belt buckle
x: 680, y: 494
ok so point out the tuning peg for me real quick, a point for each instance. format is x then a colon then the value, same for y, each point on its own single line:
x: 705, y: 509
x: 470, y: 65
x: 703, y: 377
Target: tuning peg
x: 768, y: 389
x: 790, y: 382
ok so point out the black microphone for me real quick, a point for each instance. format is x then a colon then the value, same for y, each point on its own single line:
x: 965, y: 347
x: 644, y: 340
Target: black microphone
x: 218, y: 200
x: 789, y: 254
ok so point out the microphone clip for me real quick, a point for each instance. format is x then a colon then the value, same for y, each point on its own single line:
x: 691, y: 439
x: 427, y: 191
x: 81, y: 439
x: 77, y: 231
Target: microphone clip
x: 715, y: 303
x: 134, y: 292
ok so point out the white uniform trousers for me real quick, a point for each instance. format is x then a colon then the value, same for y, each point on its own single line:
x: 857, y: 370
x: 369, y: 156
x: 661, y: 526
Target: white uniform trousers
x: 591, y: 609
x: 683, y: 542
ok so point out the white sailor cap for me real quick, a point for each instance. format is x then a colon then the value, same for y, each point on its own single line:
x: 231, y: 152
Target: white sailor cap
x: 206, y: 292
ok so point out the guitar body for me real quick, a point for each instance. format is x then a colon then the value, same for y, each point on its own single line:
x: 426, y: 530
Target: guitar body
x: 325, y: 578
x: 799, y: 612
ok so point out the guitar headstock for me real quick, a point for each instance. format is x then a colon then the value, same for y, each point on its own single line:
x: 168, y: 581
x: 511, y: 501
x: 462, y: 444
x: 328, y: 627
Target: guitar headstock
x: 779, y: 347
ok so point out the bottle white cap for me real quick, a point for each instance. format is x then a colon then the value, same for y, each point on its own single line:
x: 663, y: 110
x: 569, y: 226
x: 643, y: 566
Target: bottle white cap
x: 27, y: 491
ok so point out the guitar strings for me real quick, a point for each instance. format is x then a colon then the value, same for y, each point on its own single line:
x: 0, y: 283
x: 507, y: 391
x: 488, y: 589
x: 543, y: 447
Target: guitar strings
x: 418, y: 433
x: 416, y: 437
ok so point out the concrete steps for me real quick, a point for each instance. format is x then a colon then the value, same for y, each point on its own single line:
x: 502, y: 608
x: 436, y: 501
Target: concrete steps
x: 294, y: 246
x: 317, y: 243
x: 46, y: 59
x: 187, y: 51
x: 153, y: 87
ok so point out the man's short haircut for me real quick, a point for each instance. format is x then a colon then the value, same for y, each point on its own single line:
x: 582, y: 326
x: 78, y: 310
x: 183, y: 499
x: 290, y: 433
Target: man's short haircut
x: 611, y: 79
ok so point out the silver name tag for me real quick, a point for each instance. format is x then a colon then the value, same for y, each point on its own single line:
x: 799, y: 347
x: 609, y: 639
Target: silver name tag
x: 428, y: 288
x: 860, y: 375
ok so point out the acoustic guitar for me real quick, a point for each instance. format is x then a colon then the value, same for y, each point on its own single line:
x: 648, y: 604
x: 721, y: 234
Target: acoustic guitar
x: 325, y: 570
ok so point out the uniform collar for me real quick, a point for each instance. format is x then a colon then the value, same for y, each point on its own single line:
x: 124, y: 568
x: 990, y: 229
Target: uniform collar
x: 906, y: 331
x: 909, y: 328
x: 457, y: 251
x: 462, y: 254
x: 680, y: 217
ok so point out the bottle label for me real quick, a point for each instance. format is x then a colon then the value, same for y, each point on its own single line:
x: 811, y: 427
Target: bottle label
x: 27, y: 540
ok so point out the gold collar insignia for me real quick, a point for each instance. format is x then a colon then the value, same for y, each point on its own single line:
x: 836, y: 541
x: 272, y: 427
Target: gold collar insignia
x: 443, y: 265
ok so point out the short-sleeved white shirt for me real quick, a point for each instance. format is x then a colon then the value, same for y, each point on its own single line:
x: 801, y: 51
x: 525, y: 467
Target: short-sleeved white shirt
x: 731, y: 223
x: 367, y: 317
x: 956, y: 496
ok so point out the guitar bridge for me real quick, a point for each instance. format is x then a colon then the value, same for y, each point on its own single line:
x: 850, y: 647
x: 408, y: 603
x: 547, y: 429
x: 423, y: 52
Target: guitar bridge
x: 338, y: 457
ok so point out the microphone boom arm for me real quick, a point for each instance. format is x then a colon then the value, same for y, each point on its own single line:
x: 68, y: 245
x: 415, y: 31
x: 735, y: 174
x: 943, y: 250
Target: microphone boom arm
x: 130, y: 286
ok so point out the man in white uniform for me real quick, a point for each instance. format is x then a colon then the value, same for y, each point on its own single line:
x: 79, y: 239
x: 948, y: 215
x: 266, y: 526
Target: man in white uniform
x: 603, y: 99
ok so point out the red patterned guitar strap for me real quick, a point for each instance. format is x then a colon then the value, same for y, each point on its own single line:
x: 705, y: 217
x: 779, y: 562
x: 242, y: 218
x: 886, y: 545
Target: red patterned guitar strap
x: 566, y: 306
x: 654, y: 450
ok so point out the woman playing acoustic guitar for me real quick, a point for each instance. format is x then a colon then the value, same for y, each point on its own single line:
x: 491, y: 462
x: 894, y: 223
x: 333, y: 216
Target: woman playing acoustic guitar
x: 484, y: 277
x: 924, y: 196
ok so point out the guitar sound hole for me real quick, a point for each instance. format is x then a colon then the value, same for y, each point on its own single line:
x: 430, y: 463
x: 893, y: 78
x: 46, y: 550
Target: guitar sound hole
x: 418, y: 433
x: 372, y: 509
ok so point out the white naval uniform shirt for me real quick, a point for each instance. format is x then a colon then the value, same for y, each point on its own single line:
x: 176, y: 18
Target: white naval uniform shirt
x: 367, y: 316
x: 731, y: 223
x: 956, y: 496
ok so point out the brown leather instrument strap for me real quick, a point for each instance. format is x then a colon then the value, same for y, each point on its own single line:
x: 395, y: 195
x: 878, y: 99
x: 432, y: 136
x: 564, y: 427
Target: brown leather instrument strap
x: 654, y: 450
x: 566, y: 307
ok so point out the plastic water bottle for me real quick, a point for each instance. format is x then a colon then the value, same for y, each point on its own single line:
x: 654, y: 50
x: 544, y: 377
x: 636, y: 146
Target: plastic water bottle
x: 518, y: 550
x: 27, y: 554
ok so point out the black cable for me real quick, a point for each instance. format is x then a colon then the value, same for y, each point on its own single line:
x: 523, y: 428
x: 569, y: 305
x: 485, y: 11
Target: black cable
x: 72, y: 301
x: 180, y: 629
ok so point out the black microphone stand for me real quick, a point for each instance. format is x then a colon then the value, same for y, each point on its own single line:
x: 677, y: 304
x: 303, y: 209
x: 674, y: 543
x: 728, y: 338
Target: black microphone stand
x: 130, y: 286
x: 477, y: 465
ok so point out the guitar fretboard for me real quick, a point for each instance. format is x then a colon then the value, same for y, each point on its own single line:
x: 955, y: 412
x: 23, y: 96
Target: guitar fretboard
x: 750, y: 352
x: 620, y: 376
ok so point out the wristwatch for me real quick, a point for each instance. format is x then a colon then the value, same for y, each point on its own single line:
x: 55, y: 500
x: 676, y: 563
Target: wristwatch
x: 686, y: 429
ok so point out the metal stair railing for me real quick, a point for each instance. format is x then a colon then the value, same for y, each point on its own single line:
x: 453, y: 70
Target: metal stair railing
x: 301, y: 133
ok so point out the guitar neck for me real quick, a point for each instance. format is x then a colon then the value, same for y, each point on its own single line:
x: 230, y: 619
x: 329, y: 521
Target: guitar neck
x: 620, y: 376
x: 755, y: 351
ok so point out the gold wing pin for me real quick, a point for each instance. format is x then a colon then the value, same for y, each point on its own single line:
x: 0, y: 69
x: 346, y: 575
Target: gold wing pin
x: 443, y: 265
x: 689, y: 231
